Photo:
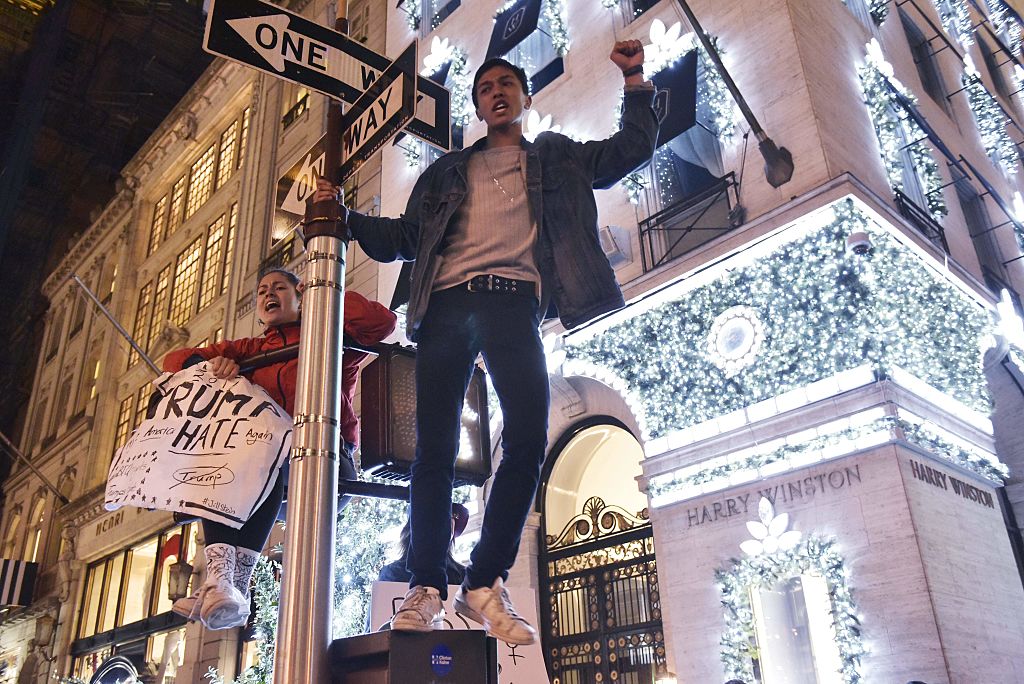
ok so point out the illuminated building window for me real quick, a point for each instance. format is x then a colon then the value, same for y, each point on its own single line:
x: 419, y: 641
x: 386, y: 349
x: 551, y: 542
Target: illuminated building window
x: 35, y: 531
x: 537, y: 56
x: 796, y: 642
x: 133, y: 585
x: 177, y: 206
x: 229, y: 251
x: 186, y: 282
x: 218, y: 335
x: 111, y: 284
x: 212, y: 276
x: 243, y: 139
x: 124, y: 421
x: 226, y: 158
x: 200, y: 181
x: 142, y: 315
x: 11, y: 538
x: 160, y: 298
x: 156, y: 228
x: 141, y: 404
x: 90, y: 381
x: 296, y: 110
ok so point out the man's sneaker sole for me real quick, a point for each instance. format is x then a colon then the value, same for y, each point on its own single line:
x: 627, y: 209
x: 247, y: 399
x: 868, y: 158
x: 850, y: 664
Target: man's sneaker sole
x: 224, y: 614
x: 467, y: 611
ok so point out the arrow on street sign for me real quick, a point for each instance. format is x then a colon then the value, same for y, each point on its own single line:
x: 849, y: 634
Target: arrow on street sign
x: 289, y: 46
x: 379, y: 113
x: 299, y: 182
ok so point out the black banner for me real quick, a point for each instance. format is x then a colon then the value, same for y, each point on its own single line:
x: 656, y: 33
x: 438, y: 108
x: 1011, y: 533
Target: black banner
x: 676, y: 101
x: 512, y: 26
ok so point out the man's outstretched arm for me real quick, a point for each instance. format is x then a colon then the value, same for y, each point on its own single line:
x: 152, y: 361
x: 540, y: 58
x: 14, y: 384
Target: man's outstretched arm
x: 632, y: 146
x: 383, y: 239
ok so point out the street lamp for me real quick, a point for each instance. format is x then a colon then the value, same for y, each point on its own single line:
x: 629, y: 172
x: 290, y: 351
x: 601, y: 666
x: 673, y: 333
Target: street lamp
x: 778, y: 161
x: 178, y: 576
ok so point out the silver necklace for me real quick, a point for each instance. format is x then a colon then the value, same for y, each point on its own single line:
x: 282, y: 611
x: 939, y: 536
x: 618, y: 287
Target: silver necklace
x: 494, y: 178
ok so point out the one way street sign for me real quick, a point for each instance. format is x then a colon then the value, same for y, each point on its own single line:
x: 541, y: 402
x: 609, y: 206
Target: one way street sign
x: 296, y: 49
x: 379, y: 113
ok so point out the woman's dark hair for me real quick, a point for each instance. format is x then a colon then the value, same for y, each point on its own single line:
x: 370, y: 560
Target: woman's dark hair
x: 288, y: 275
x: 499, y: 62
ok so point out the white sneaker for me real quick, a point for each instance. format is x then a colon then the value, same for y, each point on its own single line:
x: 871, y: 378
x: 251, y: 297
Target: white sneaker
x: 223, y: 607
x: 492, y: 607
x: 421, y: 611
x: 189, y: 606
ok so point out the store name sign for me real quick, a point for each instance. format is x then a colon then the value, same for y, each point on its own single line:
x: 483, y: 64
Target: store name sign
x: 109, y: 523
x: 788, y: 492
x: 946, y: 482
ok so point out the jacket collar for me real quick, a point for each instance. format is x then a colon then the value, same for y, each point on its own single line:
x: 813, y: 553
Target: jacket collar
x: 282, y: 329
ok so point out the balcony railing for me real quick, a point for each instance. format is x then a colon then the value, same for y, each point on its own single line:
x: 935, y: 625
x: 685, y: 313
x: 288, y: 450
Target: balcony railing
x: 931, y: 229
x: 689, y: 223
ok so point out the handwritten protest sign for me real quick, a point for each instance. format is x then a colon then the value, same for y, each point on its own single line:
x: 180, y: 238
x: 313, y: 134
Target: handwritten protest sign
x: 516, y: 664
x: 212, y: 449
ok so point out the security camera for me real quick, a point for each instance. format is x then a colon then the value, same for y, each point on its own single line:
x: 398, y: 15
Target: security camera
x: 858, y: 243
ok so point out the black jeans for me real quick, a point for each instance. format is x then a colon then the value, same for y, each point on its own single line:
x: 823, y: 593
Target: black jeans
x: 254, y: 533
x: 505, y: 328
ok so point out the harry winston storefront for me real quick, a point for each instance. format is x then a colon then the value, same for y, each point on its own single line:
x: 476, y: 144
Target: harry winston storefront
x: 822, y: 490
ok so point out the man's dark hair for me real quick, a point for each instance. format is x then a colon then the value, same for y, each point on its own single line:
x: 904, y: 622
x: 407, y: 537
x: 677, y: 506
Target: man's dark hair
x: 499, y: 62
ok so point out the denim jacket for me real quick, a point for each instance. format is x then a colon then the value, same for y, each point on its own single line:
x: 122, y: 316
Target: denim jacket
x: 561, y: 175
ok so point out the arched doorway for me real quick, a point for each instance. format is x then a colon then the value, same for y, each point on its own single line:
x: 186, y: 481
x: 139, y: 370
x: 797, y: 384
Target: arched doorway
x: 600, y: 602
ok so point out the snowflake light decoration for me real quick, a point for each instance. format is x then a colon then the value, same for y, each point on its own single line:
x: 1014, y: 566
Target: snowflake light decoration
x: 442, y: 52
x: 769, y: 532
x: 536, y: 124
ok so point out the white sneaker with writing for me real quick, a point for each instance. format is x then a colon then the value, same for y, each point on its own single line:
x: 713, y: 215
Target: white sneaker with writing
x: 421, y: 611
x: 492, y: 607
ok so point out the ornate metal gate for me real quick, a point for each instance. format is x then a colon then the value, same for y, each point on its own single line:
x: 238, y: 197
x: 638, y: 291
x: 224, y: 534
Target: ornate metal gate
x: 600, y: 603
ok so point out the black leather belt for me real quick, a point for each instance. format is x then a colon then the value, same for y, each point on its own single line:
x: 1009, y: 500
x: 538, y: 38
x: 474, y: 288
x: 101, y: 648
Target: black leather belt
x: 493, y: 283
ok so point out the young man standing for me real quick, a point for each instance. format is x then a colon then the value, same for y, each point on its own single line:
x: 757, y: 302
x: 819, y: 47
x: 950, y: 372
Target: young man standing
x: 498, y: 231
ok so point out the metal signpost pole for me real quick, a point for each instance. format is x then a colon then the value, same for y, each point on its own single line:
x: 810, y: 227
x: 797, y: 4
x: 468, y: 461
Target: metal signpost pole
x: 307, y: 596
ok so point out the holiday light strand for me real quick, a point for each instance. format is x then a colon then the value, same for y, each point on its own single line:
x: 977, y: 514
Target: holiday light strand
x: 892, y: 126
x: 813, y: 555
x: 956, y: 19
x: 991, y: 121
x: 1006, y: 24
x: 720, y: 475
x: 824, y: 311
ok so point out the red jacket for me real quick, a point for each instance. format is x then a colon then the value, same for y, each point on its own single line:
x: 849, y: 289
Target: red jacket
x: 365, y: 321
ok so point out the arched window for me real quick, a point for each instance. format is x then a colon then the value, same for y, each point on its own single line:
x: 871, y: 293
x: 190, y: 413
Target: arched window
x: 35, y: 530
x: 600, y: 604
x: 11, y: 538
